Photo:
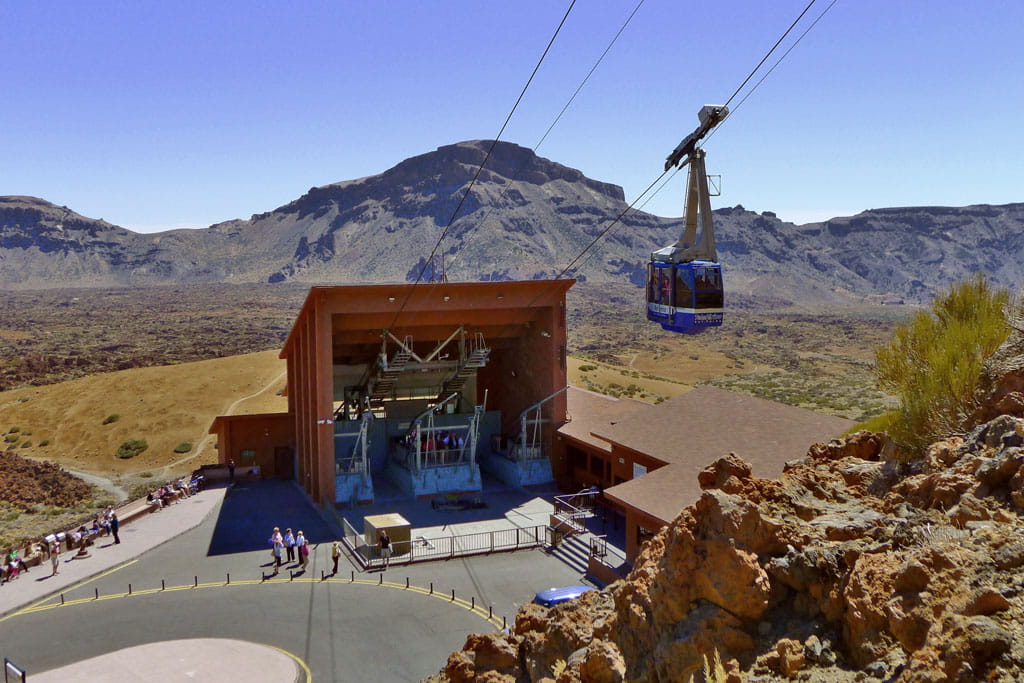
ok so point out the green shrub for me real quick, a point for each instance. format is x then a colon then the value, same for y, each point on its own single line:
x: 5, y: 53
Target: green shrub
x: 587, y: 368
x: 11, y: 438
x: 131, y: 448
x: 26, y: 444
x: 14, y: 430
x: 44, y: 442
x: 934, y: 361
x: 183, y: 447
x: 114, y: 417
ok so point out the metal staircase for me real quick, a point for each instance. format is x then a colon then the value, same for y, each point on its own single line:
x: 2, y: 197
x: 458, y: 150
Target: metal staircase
x: 389, y: 373
x: 474, y: 360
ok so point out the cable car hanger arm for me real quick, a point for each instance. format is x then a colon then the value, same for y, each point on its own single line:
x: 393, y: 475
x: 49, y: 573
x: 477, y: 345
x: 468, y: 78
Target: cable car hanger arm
x: 709, y: 116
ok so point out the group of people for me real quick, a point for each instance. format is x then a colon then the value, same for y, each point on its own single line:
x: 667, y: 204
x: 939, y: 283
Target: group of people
x: 294, y: 545
x: 172, y: 492
x: 12, y: 566
x: 104, y: 523
x: 438, y: 443
x: 289, y: 547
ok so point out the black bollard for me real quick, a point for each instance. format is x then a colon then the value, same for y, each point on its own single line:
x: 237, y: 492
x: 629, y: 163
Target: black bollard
x: 62, y: 598
x: 97, y: 593
x: 431, y: 587
x: 453, y: 595
x: 472, y: 601
x: 196, y: 584
x: 229, y: 579
x: 162, y: 586
x: 129, y: 589
x: 407, y: 582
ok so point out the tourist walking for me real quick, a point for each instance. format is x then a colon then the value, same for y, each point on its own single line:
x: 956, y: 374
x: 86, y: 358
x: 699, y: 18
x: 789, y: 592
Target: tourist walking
x: 277, y: 541
x: 231, y: 471
x: 114, y: 526
x: 303, y: 545
x: 54, y: 556
x: 384, y: 542
x: 335, y: 554
x: 289, y: 544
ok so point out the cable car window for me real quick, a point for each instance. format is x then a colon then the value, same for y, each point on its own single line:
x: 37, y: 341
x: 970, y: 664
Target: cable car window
x: 652, y: 283
x: 708, y: 278
x: 663, y: 293
x: 684, y: 288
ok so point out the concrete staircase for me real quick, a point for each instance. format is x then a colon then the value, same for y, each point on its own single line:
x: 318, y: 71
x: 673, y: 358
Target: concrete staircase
x: 574, y: 551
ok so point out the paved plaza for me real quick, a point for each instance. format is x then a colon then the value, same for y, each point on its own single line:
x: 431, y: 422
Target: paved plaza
x: 186, y: 593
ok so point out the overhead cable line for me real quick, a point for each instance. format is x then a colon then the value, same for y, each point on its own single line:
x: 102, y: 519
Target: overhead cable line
x: 621, y: 215
x: 776, y: 64
x: 769, y: 53
x: 601, y: 234
x: 494, y: 205
x: 479, y: 170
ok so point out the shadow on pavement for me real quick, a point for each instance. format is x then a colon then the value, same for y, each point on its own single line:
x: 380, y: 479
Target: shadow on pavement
x: 251, y: 510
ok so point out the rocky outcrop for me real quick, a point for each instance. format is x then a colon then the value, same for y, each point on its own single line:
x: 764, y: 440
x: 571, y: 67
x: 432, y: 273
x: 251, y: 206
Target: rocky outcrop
x: 852, y: 565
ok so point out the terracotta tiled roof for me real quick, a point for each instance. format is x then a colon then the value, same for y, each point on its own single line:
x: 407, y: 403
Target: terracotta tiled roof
x: 690, y: 431
x: 589, y: 411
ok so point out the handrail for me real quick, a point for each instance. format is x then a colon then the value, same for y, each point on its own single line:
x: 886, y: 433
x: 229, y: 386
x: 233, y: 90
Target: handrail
x: 422, y: 549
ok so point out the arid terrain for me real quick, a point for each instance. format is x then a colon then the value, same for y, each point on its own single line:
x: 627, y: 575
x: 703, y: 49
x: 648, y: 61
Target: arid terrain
x: 85, y: 371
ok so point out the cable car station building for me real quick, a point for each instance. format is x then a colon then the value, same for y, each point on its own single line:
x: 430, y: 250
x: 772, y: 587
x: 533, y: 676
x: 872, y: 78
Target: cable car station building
x: 414, y: 387
x: 645, y: 458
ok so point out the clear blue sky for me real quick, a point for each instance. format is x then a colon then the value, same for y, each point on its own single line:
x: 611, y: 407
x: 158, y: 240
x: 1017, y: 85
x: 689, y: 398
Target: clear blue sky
x: 155, y: 115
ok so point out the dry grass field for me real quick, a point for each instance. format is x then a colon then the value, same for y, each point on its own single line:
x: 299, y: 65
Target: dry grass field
x: 72, y: 423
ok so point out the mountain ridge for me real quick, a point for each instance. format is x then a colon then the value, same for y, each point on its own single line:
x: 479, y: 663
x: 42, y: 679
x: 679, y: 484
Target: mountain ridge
x: 525, y: 217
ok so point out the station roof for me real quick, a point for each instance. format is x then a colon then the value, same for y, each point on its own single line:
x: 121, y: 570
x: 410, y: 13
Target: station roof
x: 428, y: 311
x: 692, y: 430
x: 589, y: 411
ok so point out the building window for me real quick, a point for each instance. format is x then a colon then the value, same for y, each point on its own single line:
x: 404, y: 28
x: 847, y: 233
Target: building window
x: 248, y: 454
x: 597, y: 466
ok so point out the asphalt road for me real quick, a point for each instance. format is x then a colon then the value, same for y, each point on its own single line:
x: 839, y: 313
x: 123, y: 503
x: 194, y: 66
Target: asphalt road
x: 369, y: 629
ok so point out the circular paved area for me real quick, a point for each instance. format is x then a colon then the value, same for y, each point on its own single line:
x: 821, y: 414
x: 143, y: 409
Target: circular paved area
x: 203, y: 659
x: 372, y: 628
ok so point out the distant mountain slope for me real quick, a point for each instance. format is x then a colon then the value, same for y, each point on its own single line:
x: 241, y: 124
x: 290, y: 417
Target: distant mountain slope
x: 526, y: 217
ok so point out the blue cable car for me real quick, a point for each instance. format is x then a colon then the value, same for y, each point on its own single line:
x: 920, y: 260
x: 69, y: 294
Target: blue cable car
x: 685, y: 297
x: 684, y: 280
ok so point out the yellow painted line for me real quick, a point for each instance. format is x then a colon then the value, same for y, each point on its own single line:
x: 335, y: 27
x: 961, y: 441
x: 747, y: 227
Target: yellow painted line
x: 298, y: 660
x: 28, y: 608
x: 479, y: 610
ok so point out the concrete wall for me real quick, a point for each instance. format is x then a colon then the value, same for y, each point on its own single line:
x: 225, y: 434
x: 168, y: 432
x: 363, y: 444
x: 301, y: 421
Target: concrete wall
x: 262, y: 434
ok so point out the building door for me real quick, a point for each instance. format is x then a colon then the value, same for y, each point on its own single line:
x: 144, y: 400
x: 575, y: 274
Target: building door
x: 284, y: 465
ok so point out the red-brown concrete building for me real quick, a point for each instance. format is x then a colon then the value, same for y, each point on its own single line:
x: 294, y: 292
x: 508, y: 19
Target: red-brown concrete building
x: 409, y: 386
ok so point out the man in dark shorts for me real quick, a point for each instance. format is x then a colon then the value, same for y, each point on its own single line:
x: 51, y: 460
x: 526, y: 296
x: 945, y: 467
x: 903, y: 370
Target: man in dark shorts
x: 385, y: 547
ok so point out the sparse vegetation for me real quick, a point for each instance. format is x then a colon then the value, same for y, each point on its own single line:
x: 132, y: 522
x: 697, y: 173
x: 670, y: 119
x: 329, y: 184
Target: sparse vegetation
x: 44, y: 442
x: 934, y: 361
x: 131, y: 448
x: 183, y: 447
x: 109, y: 419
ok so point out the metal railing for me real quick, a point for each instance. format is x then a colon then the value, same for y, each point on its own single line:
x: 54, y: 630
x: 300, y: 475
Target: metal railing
x: 421, y: 549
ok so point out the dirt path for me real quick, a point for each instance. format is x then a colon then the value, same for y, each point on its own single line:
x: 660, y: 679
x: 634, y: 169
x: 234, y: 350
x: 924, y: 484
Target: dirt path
x: 102, y: 482
x: 205, y: 440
